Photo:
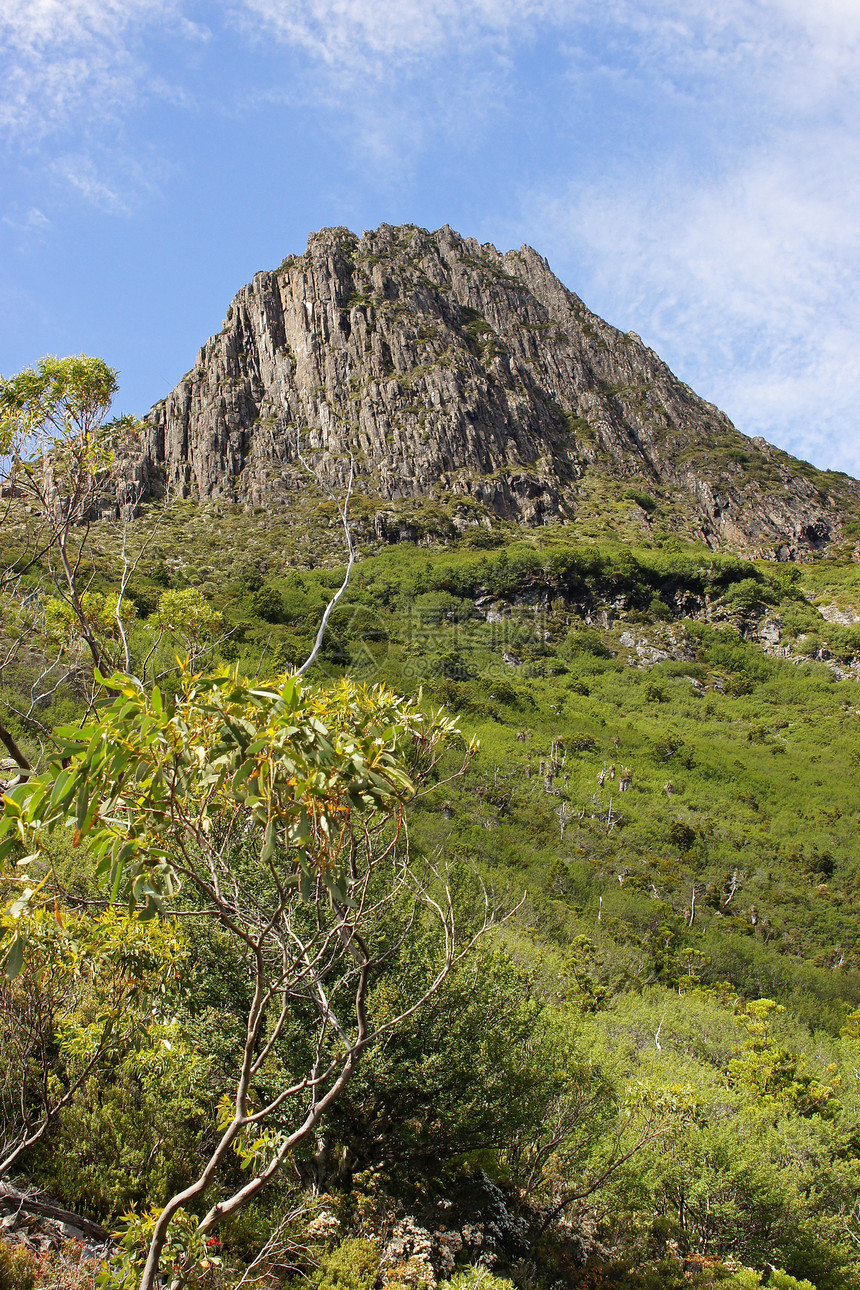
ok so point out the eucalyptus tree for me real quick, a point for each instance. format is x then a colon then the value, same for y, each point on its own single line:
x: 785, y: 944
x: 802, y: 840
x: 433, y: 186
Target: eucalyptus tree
x: 60, y: 465
x: 276, y: 814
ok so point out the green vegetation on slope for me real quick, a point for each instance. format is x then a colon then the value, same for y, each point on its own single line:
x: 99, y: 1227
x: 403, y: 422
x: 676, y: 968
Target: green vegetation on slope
x: 667, y: 770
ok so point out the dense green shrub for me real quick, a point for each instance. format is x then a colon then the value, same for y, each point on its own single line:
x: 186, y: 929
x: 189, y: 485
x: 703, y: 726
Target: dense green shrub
x: 451, y: 664
x: 477, y: 1279
x: 746, y: 595
x: 267, y: 603
x: 643, y: 500
x: 779, y: 1280
x: 431, y: 607
x: 465, y: 1075
x: 354, y: 1265
x: 584, y: 640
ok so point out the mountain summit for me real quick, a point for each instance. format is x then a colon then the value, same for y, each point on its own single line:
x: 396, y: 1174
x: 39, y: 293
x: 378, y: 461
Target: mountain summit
x: 447, y: 371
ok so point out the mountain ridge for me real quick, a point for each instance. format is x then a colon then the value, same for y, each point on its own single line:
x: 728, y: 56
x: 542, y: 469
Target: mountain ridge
x: 440, y: 368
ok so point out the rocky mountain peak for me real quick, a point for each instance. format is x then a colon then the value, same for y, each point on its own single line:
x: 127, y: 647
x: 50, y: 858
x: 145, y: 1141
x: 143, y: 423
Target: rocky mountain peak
x: 444, y: 369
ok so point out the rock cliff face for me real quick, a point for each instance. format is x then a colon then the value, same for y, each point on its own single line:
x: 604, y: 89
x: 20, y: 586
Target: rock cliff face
x: 445, y: 369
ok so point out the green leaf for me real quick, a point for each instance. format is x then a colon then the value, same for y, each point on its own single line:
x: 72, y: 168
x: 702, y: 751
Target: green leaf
x: 60, y: 785
x: 35, y: 803
x: 101, y: 849
x: 240, y: 777
x: 127, y: 850
x: 269, y: 842
x: 300, y: 829
x: 83, y: 802
x: 15, y: 958
x: 118, y: 870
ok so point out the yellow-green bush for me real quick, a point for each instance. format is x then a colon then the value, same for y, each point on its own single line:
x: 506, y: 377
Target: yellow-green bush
x: 18, y: 1267
x: 354, y: 1265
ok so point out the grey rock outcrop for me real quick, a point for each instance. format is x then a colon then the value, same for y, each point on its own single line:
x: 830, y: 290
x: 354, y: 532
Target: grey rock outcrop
x: 448, y: 370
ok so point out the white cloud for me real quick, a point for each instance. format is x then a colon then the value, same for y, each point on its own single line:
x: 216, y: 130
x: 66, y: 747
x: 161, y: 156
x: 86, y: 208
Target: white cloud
x: 76, y: 62
x: 693, y: 37
x: 29, y: 221
x: 367, y: 35
x: 111, y: 181
x: 72, y: 74
x: 81, y: 173
x: 747, y: 283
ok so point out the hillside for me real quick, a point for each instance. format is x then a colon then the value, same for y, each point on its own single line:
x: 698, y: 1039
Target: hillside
x: 674, y: 792
x: 716, y: 684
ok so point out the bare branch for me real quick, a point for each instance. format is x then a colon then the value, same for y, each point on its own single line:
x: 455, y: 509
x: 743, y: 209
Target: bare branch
x: 342, y: 508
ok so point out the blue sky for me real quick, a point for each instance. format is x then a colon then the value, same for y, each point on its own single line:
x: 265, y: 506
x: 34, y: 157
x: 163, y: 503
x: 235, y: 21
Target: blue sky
x: 690, y: 169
